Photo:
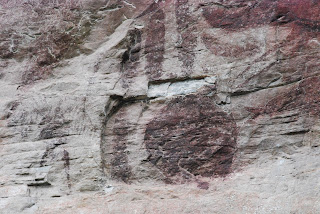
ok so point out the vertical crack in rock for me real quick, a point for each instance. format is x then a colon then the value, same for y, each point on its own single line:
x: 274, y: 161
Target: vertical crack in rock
x: 154, y: 46
x: 131, y: 57
x: 191, y: 137
x: 187, y: 32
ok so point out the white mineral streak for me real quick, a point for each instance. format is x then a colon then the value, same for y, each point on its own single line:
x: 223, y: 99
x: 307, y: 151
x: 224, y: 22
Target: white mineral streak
x: 179, y: 88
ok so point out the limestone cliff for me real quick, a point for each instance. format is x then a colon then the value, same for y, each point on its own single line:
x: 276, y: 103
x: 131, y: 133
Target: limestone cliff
x: 159, y: 106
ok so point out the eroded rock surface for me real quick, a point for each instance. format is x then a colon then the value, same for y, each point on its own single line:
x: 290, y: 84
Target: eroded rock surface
x: 192, y: 137
x: 141, y: 106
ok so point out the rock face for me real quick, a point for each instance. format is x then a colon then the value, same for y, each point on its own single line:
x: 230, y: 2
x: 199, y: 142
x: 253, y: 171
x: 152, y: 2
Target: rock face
x: 142, y: 106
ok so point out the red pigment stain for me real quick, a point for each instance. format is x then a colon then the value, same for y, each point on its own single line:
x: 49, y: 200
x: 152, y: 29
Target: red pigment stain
x: 120, y: 168
x: 66, y: 159
x: 305, y: 96
x: 302, y: 17
x: 229, y: 50
x: 191, y: 137
x: 154, y: 47
x: 186, y: 27
x: 203, y: 185
x: 242, y: 14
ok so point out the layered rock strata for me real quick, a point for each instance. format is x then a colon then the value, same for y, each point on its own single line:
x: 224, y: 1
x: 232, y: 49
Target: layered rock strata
x: 140, y: 106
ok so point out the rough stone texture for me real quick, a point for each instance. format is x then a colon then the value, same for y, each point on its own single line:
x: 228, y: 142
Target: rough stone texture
x: 191, y: 137
x: 141, y: 106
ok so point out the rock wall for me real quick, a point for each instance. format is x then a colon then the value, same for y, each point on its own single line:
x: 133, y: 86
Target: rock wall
x: 176, y: 106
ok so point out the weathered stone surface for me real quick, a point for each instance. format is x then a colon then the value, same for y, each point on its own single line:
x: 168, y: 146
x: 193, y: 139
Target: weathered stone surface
x: 191, y: 137
x: 142, y: 106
